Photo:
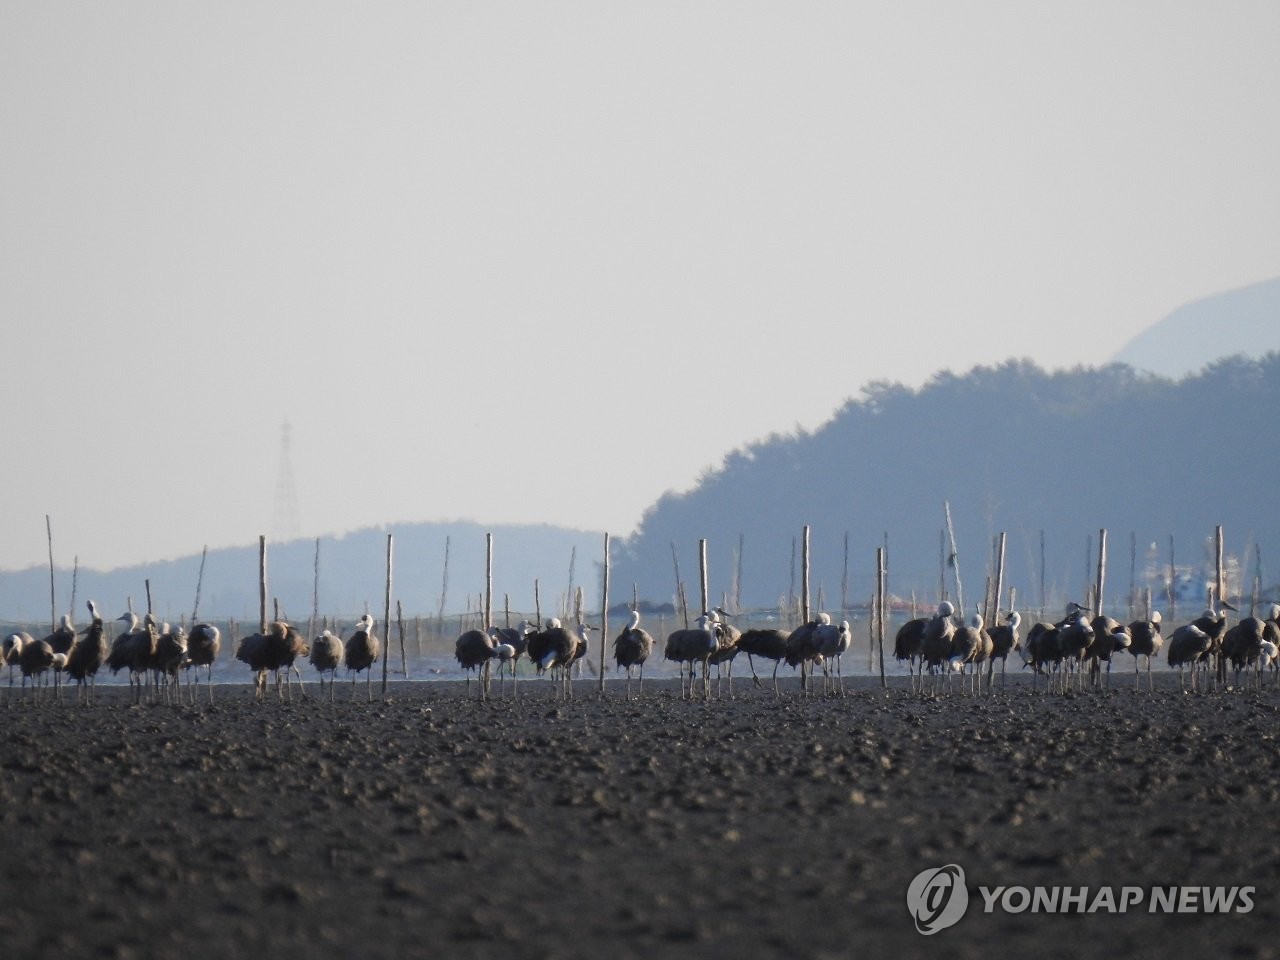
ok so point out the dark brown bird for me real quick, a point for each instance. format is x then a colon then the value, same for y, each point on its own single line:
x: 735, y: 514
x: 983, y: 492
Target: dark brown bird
x: 88, y: 655
x: 474, y: 651
x: 133, y: 650
x: 694, y: 645
x: 1004, y: 640
x: 203, y: 646
x: 631, y: 648
x: 362, y: 651
x: 767, y: 643
x: 1145, y: 641
x: 327, y: 654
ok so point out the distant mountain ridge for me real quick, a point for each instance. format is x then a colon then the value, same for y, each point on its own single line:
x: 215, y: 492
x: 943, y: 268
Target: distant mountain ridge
x: 1012, y: 448
x: 1244, y: 321
x: 352, y: 573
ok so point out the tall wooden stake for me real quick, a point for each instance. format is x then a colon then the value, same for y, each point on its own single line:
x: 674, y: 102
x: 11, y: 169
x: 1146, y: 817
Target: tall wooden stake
x: 404, y: 660
x: 262, y: 583
x: 804, y: 575
x: 954, y: 557
x: 488, y: 582
x: 386, y: 620
x: 53, y: 604
x: 881, y: 597
x: 994, y: 615
x: 604, y: 610
x: 1220, y: 578
x: 315, y: 592
x: 195, y: 607
x: 702, y: 574
x: 1102, y: 571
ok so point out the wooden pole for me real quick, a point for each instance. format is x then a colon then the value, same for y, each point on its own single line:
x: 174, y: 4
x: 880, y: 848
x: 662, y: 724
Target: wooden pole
x: 386, y: 619
x: 881, y: 596
x: 404, y: 660
x: 150, y: 608
x: 1102, y: 571
x: 993, y: 615
x: 53, y: 604
x: 1133, y: 571
x: 805, y: 614
x: 195, y: 607
x: 675, y: 561
x: 262, y: 583
x: 844, y: 577
x: 75, y: 576
x: 1220, y: 578
x: 954, y: 557
x: 444, y: 585
x: 488, y: 582
x: 315, y: 592
x: 1173, y: 584
x: 604, y: 610
x: 537, y: 604
x: 737, y: 581
x: 702, y: 574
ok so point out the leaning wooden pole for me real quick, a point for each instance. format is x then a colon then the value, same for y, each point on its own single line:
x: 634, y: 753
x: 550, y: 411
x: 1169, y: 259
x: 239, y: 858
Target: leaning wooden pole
x: 75, y: 576
x: 53, y: 604
x: 804, y: 575
x: 954, y: 557
x: 195, y: 607
x: 262, y: 583
x: 386, y: 620
x: 604, y: 610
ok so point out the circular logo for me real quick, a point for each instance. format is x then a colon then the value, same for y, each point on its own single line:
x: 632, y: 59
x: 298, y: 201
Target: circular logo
x: 937, y: 898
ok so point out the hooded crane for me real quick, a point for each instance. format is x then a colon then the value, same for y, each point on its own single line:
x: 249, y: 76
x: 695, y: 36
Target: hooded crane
x: 802, y: 648
x: 1145, y: 641
x: 34, y: 661
x: 277, y: 649
x: 327, y: 654
x: 908, y: 645
x: 935, y: 644
x: 1004, y: 640
x: 1075, y: 637
x: 133, y: 650
x: 1110, y: 636
x: 1213, y: 622
x: 631, y: 648
x: 473, y: 650
x: 171, y: 655
x: 559, y: 649
x: 1243, y: 646
x: 363, y: 649
x: 509, y: 645
x: 12, y: 650
x: 767, y: 643
x: 88, y: 655
x: 726, y: 648
x: 832, y: 643
x: 203, y: 645
x: 968, y: 646
x: 694, y: 645
x: 61, y: 641
x: 1188, y: 645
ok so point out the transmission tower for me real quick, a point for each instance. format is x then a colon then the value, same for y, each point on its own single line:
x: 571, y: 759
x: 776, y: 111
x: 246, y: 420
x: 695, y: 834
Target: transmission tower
x: 285, y: 525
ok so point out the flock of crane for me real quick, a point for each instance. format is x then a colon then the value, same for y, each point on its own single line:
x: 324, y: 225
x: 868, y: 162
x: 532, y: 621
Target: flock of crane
x: 1082, y: 644
x: 939, y: 647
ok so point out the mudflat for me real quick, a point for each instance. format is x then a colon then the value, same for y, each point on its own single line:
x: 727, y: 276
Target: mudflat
x: 429, y: 823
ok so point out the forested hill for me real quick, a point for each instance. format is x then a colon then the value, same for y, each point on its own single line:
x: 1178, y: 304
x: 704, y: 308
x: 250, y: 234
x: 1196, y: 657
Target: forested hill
x: 1012, y: 448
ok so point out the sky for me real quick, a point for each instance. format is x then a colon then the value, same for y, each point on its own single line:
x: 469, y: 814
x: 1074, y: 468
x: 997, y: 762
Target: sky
x: 542, y: 262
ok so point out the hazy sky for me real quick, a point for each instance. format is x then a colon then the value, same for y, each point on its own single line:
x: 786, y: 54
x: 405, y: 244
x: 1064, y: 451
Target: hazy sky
x: 543, y: 261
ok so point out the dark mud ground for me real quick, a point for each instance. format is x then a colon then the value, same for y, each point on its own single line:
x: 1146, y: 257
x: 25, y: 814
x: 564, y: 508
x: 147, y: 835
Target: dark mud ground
x: 428, y: 824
